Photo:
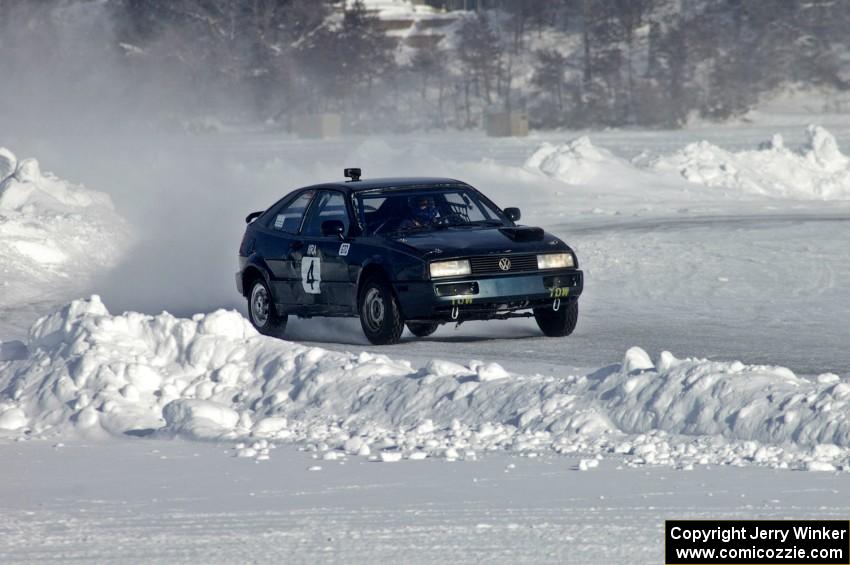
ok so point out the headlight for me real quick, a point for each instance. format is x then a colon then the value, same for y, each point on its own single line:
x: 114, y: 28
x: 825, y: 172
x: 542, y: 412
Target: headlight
x: 555, y: 261
x: 456, y: 268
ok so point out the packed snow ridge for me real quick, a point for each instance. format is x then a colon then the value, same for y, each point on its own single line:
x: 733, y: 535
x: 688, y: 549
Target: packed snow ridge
x: 214, y: 378
x: 25, y: 188
x: 51, y: 230
x: 576, y: 162
x: 816, y: 171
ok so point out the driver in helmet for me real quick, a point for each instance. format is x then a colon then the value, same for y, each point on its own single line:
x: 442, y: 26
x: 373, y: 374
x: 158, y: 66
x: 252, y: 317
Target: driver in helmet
x: 422, y: 212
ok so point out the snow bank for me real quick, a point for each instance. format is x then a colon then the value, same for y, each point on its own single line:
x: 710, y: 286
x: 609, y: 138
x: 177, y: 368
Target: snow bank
x: 53, y: 235
x: 575, y: 162
x: 818, y: 171
x: 751, y: 402
x: 25, y: 188
x: 213, y: 377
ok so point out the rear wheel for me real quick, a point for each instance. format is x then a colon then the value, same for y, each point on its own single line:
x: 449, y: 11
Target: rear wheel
x: 422, y: 329
x: 262, y: 312
x: 560, y: 322
x: 380, y: 315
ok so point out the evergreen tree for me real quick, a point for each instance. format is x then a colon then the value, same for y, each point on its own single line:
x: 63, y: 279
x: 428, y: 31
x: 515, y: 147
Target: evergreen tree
x: 480, y: 51
x: 549, y: 76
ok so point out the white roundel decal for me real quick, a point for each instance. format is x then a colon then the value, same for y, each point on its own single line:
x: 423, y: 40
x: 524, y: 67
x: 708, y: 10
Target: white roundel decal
x: 311, y: 275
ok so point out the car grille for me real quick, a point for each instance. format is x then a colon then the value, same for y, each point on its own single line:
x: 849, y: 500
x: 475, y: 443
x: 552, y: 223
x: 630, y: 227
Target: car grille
x: 490, y: 264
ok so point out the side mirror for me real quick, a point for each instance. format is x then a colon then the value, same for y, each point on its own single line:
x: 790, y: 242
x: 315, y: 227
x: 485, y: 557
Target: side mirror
x: 513, y: 214
x: 253, y: 216
x: 333, y: 227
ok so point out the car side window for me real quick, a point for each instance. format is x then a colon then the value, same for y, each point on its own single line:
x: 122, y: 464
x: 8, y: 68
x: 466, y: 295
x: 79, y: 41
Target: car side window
x: 328, y: 206
x: 288, y: 218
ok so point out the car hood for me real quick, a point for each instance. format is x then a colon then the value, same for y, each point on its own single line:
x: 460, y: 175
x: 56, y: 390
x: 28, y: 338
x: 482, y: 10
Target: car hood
x: 457, y: 242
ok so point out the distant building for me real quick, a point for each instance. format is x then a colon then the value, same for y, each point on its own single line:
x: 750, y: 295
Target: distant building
x: 451, y: 5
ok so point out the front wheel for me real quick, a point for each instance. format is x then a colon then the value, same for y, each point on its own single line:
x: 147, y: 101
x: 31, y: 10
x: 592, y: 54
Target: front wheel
x: 262, y: 312
x: 560, y: 322
x: 380, y: 315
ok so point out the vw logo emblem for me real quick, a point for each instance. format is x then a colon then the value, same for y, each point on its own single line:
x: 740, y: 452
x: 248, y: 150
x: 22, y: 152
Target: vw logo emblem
x: 505, y: 264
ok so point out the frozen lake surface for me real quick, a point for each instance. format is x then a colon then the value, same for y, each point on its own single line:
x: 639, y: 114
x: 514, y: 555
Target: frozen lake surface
x: 718, y: 251
x: 175, y: 502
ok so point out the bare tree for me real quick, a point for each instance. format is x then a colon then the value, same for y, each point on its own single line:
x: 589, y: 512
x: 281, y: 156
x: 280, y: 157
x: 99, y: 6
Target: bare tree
x: 549, y: 69
x: 631, y: 15
x: 480, y: 51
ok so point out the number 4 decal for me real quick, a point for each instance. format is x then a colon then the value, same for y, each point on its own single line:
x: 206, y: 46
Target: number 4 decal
x: 311, y: 275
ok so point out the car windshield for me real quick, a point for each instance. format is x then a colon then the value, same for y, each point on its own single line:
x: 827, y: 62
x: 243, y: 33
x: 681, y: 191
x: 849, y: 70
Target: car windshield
x: 402, y: 211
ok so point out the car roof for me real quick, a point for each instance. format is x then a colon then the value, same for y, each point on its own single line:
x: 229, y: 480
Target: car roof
x: 392, y: 182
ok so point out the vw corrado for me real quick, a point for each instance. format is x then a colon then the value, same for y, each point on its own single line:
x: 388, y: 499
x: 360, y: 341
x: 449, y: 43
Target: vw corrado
x: 414, y: 251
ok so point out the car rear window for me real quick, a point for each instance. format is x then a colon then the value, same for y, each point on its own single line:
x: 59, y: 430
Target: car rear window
x: 288, y: 218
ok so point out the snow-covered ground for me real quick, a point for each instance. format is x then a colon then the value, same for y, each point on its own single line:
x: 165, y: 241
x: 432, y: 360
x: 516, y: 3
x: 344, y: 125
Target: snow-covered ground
x: 176, y: 502
x: 712, y: 343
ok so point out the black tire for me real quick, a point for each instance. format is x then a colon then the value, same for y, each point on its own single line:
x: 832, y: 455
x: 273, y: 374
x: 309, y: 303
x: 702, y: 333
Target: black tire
x: 422, y: 329
x: 262, y: 312
x: 557, y: 323
x: 380, y: 315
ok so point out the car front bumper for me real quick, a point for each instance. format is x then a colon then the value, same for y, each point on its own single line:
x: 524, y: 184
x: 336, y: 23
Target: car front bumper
x: 484, y: 298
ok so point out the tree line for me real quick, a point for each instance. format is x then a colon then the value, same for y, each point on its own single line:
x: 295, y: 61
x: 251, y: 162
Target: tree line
x: 568, y: 63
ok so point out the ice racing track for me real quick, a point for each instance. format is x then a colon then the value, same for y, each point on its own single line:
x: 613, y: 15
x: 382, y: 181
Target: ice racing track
x: 763, y: 304
x: 701, y: 272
